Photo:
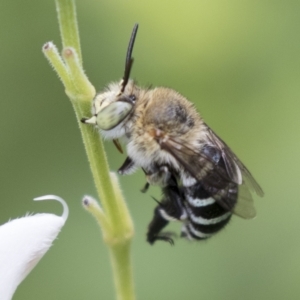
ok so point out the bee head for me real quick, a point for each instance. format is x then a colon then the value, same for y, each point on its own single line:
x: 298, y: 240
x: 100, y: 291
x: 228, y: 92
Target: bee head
x: 111, y: 107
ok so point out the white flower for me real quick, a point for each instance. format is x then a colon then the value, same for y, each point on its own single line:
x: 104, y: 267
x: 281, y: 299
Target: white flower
x: 23, y: 242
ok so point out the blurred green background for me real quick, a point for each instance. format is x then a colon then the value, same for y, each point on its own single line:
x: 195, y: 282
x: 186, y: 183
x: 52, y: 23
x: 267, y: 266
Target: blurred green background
x: 238, y: 61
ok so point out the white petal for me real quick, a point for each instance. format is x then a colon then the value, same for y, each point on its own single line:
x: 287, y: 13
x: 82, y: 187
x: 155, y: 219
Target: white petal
x: 23, y: 242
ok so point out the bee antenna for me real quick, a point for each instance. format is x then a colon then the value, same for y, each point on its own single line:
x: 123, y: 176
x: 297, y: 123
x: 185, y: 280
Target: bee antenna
x: 129, y: 58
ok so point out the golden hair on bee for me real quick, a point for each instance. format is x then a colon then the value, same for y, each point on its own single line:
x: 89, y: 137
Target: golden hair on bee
x: 202, y: 180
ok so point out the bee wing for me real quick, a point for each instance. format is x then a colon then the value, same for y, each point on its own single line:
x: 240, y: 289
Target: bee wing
x: 245, y: 206
x: 191, y: 161
x: 199, y: 164
x: 233, y: 163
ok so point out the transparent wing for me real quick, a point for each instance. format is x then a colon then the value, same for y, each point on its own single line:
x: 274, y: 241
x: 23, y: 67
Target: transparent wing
x: 231, y: 162
x: 216, y: 166
x: 245, y: 205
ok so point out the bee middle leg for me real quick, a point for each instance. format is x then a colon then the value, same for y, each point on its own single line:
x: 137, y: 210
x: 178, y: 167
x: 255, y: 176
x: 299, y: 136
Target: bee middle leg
x: 158, y: 175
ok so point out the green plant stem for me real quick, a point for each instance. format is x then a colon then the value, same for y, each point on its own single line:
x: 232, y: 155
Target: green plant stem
x: 118, y: 236
x: 115, y: 220
x: 67, y: 20
x: 120, y: 254
x: 58, y: 64
x: 114, y: 208
x: 121, y: 262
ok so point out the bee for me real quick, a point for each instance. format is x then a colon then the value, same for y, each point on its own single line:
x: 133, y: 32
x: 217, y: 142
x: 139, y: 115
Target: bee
x: 202, y: 180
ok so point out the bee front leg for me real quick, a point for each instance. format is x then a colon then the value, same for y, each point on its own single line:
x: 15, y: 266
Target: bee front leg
x: 127, y: 167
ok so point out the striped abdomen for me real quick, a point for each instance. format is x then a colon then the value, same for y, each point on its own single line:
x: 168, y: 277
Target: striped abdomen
x: 205, y: 214
x: 204, y: 205
x: 201, y: 212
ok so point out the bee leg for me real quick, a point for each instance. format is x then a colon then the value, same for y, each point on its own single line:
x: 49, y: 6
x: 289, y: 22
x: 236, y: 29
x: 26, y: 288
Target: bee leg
x: 165, y: 237
x: 158, y: 175
x: 169, y: 209
x: 154, y: 228
x: 146, y: 187
x: 127, y: 166
x: 173, y: 207
x: 155, y: 176
x: 118, y: 145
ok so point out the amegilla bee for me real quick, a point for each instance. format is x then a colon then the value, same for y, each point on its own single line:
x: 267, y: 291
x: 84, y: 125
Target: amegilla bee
x: 202, y: 180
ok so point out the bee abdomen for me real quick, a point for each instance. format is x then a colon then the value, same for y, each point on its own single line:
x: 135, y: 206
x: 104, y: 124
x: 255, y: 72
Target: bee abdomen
x: 197, y: 227
x: 193, y: 231
x: 205, y: 215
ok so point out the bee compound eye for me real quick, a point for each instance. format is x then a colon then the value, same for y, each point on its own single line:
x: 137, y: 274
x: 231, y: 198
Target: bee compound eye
x: 113, y: 114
